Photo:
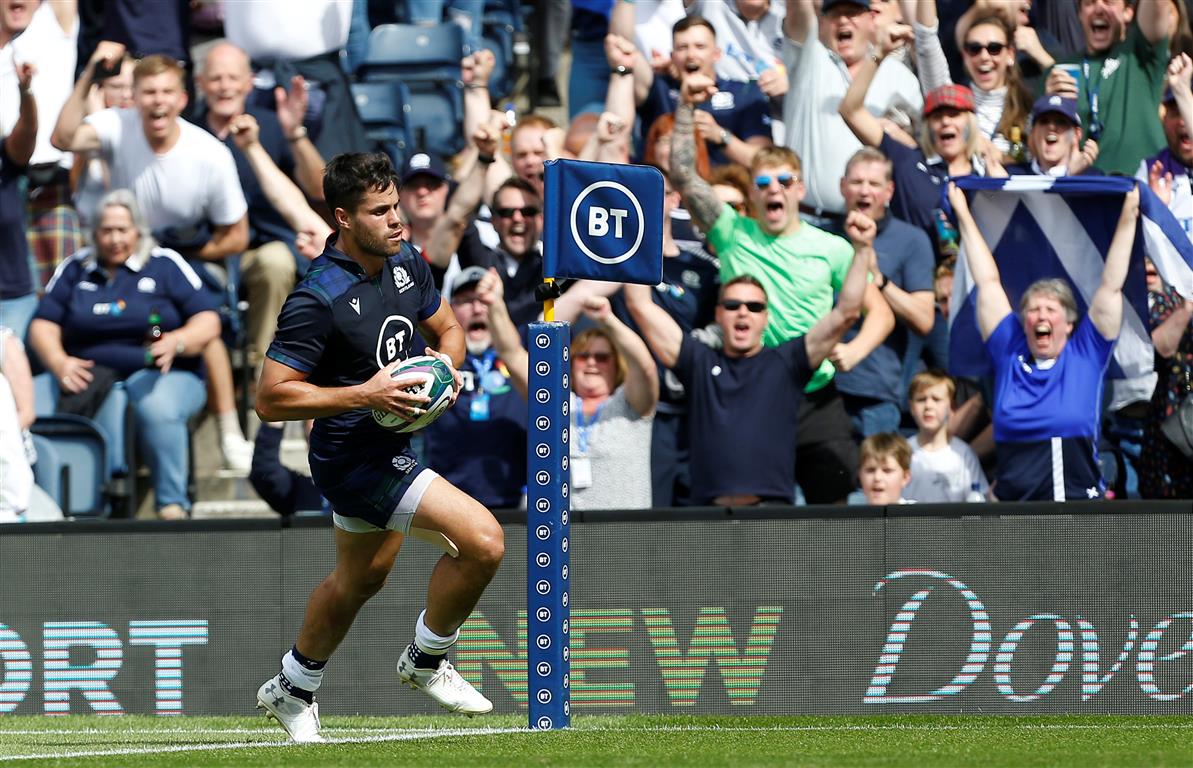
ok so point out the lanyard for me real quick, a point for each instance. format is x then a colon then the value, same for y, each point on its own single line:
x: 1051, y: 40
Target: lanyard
x: 1091, y: 96
x: 482, y: 365
x: 584, y: 427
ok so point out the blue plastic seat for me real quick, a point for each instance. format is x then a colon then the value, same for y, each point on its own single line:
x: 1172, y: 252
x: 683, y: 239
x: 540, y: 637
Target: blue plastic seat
x: 415, y: 54
x: 74, y: 470
x: 436, y: 120
x: 383, y: 108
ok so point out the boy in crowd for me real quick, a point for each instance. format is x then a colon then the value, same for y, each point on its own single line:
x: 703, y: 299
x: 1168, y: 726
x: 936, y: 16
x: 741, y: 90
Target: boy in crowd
x: 943, y: 469
x: 885, y: 468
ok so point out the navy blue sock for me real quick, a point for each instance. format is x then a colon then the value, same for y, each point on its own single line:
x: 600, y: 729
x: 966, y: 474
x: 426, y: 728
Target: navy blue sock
x: 294, y: 690
x: 423, y: 660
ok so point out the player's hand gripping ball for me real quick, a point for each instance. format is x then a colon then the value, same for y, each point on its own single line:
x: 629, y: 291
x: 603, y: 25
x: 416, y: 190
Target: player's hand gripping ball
x: 436, y: 383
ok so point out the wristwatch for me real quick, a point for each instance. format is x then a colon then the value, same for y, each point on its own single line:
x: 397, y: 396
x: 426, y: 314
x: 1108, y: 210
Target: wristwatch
x: 621, y: 69
x: 724, y: 137
x: 299, y: 134
x: 485, y: 159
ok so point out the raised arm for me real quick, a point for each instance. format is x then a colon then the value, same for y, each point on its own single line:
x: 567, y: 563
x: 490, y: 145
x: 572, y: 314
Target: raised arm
x: 823, y: 336
x: 282, y: 193
x: 993, y: 304
x: 291, y: 110
x: 506, y: 339
x: 449, y: 229
x: 71, y: 134
x: 1166, y: 337
x: 800, y: 21
x: 622, y: 23
x: 853, y: 110
x: 1155, y: 19
x: 19, y: 143
x: 570, y: 305
x: 1106, y: 307
x: 931, y: 66
x: 642, y: 376
x: 662, y: 334
x: 701, y: 200
x: 476, y: 70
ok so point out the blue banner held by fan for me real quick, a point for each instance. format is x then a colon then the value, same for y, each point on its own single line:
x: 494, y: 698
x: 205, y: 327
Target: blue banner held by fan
x: 603, y: 221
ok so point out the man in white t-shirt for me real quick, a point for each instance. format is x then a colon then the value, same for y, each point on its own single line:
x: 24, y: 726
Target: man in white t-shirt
x: 185, y: 181
x: 821, y: 55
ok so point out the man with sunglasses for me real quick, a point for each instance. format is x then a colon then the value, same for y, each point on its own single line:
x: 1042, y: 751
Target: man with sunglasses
x: 518, y: 220
x: 741, y: 453
x: 800, y: 267
x: 1120, y: 76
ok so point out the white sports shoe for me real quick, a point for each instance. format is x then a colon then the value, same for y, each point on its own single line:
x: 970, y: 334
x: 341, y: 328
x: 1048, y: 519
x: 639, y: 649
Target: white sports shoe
x: 301, y: 720
x: 444, y: 685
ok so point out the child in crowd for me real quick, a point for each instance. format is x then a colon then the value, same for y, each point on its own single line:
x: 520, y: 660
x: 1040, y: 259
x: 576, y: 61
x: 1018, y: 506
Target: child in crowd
x: 885, y: 468
x: 943, y: 469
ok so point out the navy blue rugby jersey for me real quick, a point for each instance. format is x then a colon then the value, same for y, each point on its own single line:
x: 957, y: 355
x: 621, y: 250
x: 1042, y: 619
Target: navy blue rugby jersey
x: 340, y: 326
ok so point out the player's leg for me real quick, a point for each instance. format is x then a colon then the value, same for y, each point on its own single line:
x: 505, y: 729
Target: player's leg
x: 364, y: 560
x: 455, y: 587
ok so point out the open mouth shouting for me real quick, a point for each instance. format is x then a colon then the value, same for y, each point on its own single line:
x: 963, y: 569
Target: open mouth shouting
x: 985, y: 75
x: 1101, y: 32
x: 774, y: 210
x: 1042, y: 334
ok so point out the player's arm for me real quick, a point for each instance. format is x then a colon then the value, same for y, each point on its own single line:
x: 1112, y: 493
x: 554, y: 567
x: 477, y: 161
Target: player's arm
x: 993, y: 304
x: 284, y: 394
x: 444, y: 331
x: 823, y: 336
x: 701, y: 200
x: 642, y: 376
x: 1106, y: 307
x: 662, y: 334
x: 506, y: 339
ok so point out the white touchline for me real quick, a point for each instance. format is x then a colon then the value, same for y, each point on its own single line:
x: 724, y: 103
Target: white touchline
x: 403, y: 736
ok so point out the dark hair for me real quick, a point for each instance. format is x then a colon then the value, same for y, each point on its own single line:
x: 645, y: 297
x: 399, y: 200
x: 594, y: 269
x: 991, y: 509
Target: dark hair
x: 520, y: 184
x: 1018, y: 102
x: 350, y: 176
x: 687, y: 22
x: 743, y: 280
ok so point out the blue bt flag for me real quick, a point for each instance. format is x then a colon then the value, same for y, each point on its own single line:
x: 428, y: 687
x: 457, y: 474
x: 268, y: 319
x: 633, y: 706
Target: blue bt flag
x: 1040, y: 227
x: 603, y: 221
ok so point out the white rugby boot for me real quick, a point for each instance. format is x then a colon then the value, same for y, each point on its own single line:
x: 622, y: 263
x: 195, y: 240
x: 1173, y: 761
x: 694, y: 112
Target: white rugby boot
x: 301, y: 720
x: 445, y: 685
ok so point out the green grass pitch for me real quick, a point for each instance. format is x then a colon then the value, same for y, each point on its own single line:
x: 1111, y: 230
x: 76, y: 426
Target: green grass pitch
x: 629, y: 740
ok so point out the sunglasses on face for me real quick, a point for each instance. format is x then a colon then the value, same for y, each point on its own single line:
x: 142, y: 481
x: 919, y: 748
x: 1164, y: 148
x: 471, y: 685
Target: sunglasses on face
x: 785, y: 180
x: 733, y: 305
x: 994, y: 48
x: 599, y: 357
x: 527, y: 212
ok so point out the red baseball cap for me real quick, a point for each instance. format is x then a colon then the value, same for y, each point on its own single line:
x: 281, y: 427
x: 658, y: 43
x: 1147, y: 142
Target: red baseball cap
x: 954, y: 96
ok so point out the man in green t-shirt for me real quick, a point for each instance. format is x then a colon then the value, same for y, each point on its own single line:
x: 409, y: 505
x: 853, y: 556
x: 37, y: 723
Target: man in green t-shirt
x: 800, y: 267
x: 1119, y: 78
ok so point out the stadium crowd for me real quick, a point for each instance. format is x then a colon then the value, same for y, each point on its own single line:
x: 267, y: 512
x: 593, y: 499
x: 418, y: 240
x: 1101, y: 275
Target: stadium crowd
x: 161, y: 192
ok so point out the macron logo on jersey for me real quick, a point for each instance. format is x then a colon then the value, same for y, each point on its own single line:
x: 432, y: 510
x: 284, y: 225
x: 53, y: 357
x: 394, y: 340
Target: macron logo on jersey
x: 402, y: 279
x: 355, y: 304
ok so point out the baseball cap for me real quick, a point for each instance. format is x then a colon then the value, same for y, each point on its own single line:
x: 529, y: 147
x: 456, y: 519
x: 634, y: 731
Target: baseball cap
x: 946, y: 96
x: 1065, y: 107
x: 467, y: 278
x: 422, y: 164
x: 830, y: 3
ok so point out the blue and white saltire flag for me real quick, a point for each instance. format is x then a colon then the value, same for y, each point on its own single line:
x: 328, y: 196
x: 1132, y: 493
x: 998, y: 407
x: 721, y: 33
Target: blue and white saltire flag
x: 1041, y: 227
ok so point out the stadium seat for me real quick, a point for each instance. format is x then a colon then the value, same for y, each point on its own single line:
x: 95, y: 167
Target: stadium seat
x: 74, y: 469
x: 437, y: 120
x: 383, y: 108
x: 414, y: 54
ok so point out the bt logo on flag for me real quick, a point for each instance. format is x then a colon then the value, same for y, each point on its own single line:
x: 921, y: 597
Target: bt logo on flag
x: 603, y: 221
x: 614, y: 222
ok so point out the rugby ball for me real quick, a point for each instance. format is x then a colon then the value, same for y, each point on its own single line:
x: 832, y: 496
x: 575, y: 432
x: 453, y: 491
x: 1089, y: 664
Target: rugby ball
x: 435, y: 382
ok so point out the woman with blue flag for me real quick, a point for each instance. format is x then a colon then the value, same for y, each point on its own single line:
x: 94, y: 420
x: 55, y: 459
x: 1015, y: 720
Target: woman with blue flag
x: 1048, y: 367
